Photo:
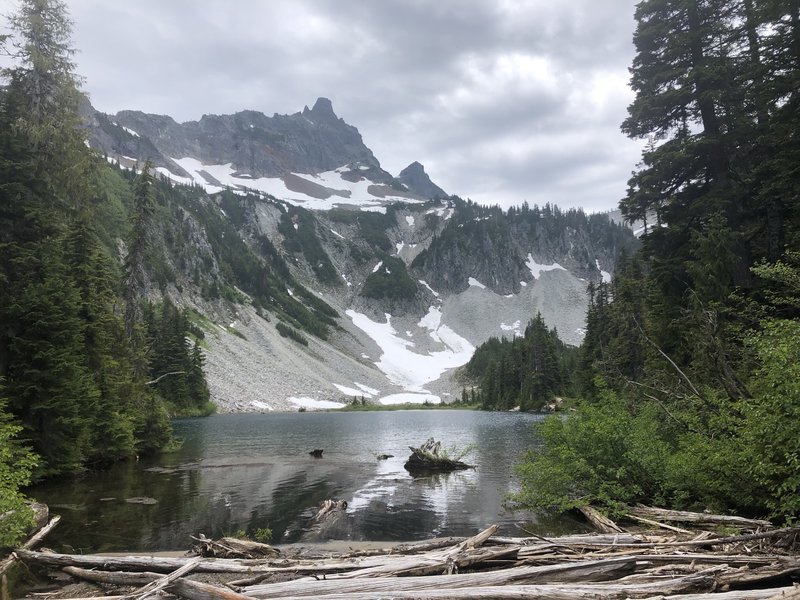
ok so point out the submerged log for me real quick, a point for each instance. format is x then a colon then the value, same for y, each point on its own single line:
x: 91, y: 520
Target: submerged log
x: 429, y: 458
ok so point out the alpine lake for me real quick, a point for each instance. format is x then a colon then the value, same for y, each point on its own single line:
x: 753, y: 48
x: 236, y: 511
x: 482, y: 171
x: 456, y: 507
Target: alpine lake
x: 251, y: 472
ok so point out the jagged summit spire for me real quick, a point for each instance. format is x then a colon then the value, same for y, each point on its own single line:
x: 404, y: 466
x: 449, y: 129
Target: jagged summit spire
x: 416, y: 179
x: 323, y: 109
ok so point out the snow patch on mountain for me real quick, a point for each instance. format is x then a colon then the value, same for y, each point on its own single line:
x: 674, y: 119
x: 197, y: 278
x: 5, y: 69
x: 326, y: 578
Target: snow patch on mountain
x: 313, y: 403
x: 406, y: 368
x: 604, y: 274
x: 322, y: 191
x: 410, y: 398
x: 537, y: 269
x: 348, y: 391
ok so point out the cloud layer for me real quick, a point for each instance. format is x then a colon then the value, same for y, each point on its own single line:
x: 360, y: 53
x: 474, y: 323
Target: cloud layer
x: 502, y: 101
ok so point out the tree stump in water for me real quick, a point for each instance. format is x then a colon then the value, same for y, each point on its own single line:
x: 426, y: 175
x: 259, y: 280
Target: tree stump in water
x: 429, y: 458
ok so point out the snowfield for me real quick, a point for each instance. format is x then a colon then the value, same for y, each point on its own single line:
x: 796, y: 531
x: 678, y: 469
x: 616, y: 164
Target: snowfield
x: 409, y: 369
x: 324, y: 190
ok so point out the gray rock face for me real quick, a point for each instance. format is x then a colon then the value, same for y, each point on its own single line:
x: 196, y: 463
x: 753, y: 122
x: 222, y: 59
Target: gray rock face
x: 312, y: 141
x: 417, y: 181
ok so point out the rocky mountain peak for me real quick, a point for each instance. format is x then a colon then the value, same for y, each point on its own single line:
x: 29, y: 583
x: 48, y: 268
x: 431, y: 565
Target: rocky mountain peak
x: 322, y: 111
x: 417, y: 181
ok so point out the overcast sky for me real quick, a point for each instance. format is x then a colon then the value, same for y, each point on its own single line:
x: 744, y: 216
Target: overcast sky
x: 502, y: 100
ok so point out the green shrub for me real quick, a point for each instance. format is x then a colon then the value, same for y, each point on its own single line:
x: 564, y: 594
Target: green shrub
x: 602, y: 453
x: 292, y: 333
x: 16, y: 466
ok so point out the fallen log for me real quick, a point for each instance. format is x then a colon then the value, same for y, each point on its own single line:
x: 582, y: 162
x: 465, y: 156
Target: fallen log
x: 136, y: 563
x: 228, y: 547
x: 196, y: 590
x: 207, y: 565
x: 780, y: 568
x: 428, y: 458
x: 658, y: 524
x: 577, y: 591
x: 159, y: 584
x: 587, y: 571
x: 737, y: 595
x: 600, y: 521
x: 787, y: 594
x: 31, y: 543
x: 682, y: 516
x: 193, y: 590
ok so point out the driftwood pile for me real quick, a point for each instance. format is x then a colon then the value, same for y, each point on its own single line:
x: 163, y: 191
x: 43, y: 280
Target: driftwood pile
x: 669, y: 564
x: 429, y: 458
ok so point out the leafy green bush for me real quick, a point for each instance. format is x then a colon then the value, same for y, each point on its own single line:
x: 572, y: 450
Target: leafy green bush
x: 16, y: 466
x: 263, y: 535
x: 601, y: 454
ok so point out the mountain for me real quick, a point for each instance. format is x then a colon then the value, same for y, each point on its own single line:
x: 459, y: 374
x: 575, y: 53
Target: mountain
x: 318, y: 277
x: 417, y: 181
x: 311, y: 157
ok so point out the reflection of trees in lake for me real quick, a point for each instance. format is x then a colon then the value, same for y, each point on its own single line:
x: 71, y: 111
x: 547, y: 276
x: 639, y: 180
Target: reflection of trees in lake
x: 252, y: 471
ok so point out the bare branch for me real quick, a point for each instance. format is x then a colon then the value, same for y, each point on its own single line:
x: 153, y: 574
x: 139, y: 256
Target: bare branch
x: 160, y: 377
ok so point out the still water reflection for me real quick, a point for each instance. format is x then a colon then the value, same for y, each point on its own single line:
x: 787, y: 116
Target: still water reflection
x: 245, y: 472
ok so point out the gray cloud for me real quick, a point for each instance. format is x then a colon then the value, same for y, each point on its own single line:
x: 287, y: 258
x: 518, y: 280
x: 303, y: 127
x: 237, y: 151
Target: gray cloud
x: 502, y: 100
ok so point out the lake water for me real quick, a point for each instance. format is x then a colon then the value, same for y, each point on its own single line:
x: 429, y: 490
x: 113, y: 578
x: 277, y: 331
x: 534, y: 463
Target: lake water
x: 251, y: 471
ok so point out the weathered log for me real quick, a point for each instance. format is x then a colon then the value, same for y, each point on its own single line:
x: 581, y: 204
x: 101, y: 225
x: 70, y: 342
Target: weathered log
x: 228, y: 547
x: 587, y: 571
x: 162, y: 582
x: 599, y: 520
x: 194, y: 590
x: 31, y: 543
x: 208, y: 565
x: 120, y: 578
x: 518, y: 592
x: 136, y: 563
x: 737, y: 595
x: 658, y: 524
x: 682, y: 516
x: 428, y: 459
x: 441, y: 589
x: 710, y: 541
x: 787, y: 594
x: 780, y: 568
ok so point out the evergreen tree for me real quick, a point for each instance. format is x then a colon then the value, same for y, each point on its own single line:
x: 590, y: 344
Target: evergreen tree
x: 138, y: 246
